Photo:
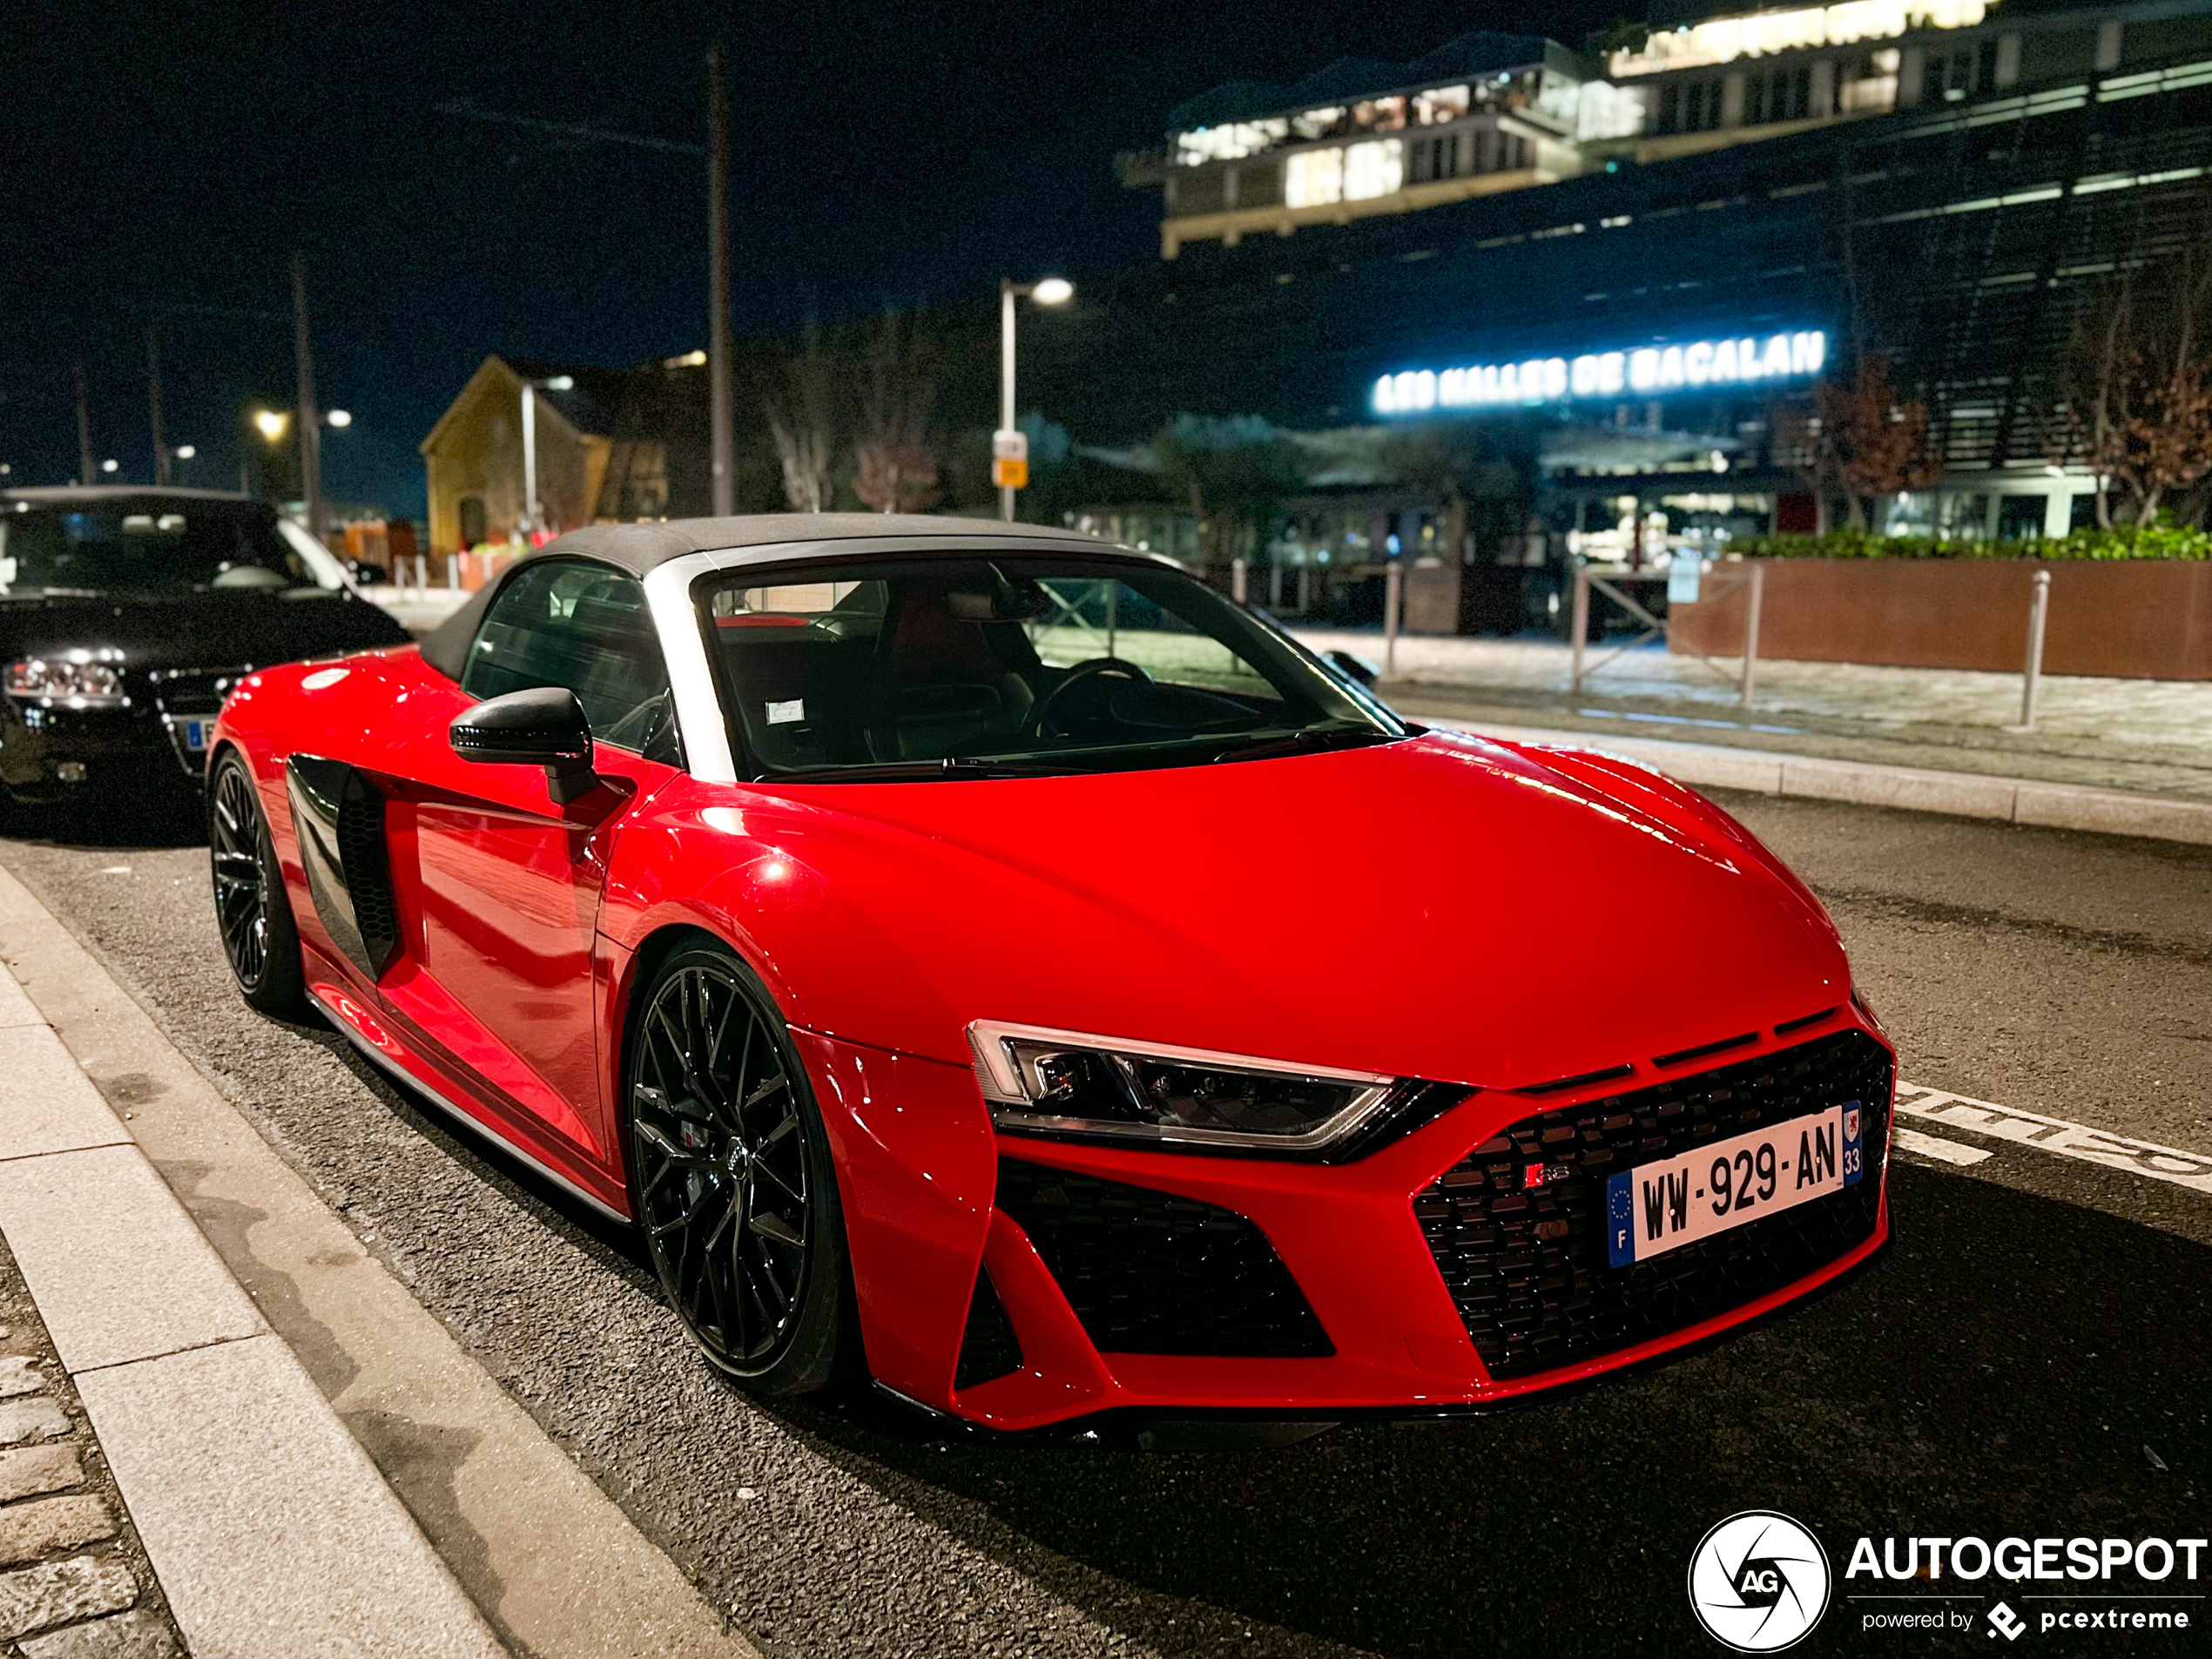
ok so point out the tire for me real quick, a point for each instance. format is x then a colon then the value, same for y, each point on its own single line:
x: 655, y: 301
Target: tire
x: 731, y: 1180
x: 253, y: 911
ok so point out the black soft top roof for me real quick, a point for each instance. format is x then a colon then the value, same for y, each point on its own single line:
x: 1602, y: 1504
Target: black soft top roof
x: 638, y: 549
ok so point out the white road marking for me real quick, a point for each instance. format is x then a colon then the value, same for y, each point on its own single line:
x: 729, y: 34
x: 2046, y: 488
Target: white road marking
x: 2055, y: 1134
x: 1911, y: 1140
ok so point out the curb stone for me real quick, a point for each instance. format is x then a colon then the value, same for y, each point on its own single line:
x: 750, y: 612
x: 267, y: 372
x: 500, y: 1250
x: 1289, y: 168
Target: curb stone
x: 1915, y: 789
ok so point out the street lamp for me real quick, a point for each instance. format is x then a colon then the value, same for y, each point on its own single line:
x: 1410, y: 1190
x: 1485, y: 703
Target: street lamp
x: 1009, y: 449
x: 271, y: 424
x: 338, y: 418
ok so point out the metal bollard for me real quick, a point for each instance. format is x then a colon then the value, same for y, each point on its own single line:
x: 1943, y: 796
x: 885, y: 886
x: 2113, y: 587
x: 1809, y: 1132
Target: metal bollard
x: 1393, y: 592
x: 1751, y: 629
x: 1578, y: 624
x: 2039, y: 612
x: 1239, y: 581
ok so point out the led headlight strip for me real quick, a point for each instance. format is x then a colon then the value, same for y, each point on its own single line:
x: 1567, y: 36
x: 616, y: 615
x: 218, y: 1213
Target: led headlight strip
x: 1070, y: 1082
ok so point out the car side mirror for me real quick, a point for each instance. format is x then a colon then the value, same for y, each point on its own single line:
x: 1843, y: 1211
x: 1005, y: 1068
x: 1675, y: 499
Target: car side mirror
x: 1357, y: 668
x: 542, y: 726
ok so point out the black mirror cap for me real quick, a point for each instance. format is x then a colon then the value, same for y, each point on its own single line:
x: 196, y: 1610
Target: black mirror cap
x: 542, y: 726
x: 1357, y: 668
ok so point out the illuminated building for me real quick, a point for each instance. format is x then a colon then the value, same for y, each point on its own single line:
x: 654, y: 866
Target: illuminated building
x: 1948, y: 182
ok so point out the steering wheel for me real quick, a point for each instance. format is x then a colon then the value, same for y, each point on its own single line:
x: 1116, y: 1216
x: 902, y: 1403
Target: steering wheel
x: 1083, y: 674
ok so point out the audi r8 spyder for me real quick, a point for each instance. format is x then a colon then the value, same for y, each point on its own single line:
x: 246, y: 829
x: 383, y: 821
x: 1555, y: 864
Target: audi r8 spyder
x: 127, y: 613
x: 933, y: 937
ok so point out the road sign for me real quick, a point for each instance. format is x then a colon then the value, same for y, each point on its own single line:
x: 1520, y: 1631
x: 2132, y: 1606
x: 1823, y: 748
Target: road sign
x: 1010, y: 472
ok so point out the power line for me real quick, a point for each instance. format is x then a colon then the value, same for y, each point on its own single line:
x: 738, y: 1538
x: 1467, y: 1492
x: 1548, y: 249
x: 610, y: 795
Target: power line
x: 463, y: 109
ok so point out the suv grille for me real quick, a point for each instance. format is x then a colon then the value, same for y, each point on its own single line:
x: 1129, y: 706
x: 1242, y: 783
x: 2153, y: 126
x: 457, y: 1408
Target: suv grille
x: 1527, y: 1268
x: 1152, y: 1272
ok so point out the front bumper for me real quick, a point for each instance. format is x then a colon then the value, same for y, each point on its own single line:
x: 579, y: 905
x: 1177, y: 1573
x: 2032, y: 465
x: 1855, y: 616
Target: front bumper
x: 52, y: 751
x: 1320, y: 1290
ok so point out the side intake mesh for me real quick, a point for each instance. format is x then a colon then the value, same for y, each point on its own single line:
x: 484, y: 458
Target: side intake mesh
x: 990, y: 1348
x: 1152, y: 1272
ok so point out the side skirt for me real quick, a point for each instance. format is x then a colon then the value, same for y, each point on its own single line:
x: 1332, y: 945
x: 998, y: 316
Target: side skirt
x: 400, y: 1075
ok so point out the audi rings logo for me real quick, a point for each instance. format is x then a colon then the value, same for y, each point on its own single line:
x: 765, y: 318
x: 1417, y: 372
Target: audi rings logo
x: 1758, y: 1581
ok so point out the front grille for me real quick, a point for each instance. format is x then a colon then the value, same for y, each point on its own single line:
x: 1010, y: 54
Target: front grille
x: 1527, y: 1267
x: 1153, y: 1272
x: 181, y: 695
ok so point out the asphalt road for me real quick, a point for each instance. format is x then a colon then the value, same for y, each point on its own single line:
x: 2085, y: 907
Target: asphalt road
x: 2040, y: 1334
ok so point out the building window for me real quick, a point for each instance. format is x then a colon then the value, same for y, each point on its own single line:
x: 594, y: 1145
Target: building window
x: 1778, y: 95
x: 1313, y: 177
x: 1957, y: 73
x: 1670, y: 109
x: 474, y: 527
x: 1435, y: 158
x: 1376, y: 168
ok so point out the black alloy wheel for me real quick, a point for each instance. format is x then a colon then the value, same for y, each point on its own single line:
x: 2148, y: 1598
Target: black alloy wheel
x: 252, y: 911
x: 731, y: 1177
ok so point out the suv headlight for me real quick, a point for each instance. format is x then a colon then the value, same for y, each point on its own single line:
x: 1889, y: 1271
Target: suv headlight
x: 1064, y: 1082
x: 64, y: 679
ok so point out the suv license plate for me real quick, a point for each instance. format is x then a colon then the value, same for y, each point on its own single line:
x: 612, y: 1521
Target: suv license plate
x: 1657, y: 1207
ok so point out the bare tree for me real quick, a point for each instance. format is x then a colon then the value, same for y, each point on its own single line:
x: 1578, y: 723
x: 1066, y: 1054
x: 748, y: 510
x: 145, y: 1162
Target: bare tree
x: 897, y: 470
x: 2137, y: 389
x: 1857, y: 438
x: 803, y: 422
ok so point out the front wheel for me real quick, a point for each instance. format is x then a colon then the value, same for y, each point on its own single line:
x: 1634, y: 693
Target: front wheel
x: 731, y: 1177
x: 253, y: 912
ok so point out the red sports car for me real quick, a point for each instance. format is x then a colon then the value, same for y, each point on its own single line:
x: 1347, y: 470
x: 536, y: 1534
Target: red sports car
x: 989, y: 958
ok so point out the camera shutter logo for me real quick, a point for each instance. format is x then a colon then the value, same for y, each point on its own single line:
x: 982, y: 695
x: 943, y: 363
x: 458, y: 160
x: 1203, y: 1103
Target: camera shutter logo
x: 1758, y: 1581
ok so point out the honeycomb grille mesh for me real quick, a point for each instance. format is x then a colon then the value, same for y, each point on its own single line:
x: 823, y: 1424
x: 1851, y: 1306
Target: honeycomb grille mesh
x: 1153, y: 1272
x: 1527, y: 1267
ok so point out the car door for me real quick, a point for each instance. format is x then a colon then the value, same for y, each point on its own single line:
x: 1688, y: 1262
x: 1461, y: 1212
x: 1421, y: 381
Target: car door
x: 505, y: 879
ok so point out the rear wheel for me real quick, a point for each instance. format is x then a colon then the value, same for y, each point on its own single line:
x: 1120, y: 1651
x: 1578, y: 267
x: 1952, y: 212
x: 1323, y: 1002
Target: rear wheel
x: 731, y: 1177
x: 251, y: 910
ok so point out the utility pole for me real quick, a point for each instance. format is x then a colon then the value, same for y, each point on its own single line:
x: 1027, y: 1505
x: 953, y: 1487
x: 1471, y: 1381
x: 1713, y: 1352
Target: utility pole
x: 153, y: 395
x: 717, y: 254
x: 310, y: 422
x: 84, y: 429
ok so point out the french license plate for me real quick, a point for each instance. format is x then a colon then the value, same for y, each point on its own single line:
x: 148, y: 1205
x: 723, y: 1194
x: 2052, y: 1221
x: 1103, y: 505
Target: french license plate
x: 195, y: 735
x: 1658, y: 1207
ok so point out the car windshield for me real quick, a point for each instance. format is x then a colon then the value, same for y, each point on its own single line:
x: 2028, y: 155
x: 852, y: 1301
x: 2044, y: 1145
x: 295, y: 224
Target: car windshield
x: 156, y: 546
x: 1011, y: 665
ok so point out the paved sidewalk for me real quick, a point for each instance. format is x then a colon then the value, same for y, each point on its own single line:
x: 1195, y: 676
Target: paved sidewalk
x: 269, y: 1531
x: 76, y: 1584
x: 314, y: 1465
x: 2151, y: 737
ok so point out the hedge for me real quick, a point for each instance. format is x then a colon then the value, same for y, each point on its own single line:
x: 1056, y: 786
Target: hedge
x: 2156, y: 542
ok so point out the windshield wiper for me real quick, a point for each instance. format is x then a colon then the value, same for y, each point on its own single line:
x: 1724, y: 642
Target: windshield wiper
x: 909, y: 771
x: 1312, y: 740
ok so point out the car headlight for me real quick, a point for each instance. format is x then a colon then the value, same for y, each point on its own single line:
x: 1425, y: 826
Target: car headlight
x: 64, y: 679
x: 1067, y: 1084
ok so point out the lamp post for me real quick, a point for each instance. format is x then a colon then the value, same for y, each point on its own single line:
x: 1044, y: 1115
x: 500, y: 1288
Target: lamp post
x: 1010, y: 450
x: 557, y: 383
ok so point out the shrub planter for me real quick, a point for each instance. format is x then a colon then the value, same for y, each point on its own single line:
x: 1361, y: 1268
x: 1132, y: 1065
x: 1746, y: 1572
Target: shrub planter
x: 2133, y: 619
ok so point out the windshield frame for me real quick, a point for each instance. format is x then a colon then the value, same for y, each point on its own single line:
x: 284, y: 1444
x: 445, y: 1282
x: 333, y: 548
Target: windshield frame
x: 1367, y: 721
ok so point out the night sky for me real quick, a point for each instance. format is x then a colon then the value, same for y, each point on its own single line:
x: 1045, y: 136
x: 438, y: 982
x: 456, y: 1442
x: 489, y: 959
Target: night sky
x: 162, y: 161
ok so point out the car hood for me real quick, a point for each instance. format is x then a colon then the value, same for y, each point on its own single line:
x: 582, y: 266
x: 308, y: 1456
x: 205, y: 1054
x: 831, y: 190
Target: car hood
x: 1441, y: 907
x: 221, y: 628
